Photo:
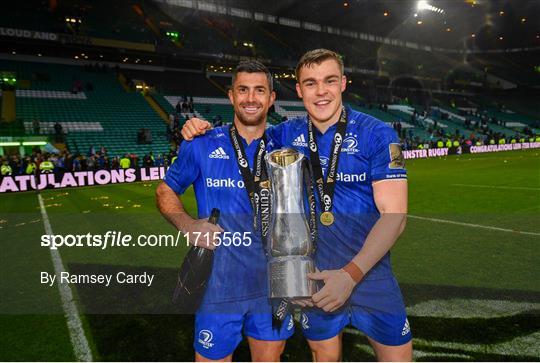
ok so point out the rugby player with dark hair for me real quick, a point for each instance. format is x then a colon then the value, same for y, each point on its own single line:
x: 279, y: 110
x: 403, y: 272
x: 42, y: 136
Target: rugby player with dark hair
x: 225, y: 167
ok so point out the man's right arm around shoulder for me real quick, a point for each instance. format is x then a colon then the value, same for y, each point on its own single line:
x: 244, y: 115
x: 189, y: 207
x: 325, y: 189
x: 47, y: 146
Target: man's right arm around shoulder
x: 194, y: 127
x: 172, y: 209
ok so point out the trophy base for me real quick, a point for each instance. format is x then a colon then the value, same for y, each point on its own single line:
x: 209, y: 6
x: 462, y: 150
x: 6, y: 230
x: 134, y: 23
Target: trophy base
x: 288, y: 277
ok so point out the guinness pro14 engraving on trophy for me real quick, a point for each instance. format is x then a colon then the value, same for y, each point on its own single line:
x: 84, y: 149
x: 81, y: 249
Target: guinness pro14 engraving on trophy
x: 291, y: 240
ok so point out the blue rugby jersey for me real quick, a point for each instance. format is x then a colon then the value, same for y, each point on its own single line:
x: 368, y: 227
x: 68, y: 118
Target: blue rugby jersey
x: 366, y: 156
x: 209, y: 164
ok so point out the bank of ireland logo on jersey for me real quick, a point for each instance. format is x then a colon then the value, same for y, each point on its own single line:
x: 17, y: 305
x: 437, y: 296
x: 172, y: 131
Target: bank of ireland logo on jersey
x: 300, y: 141
x: 205, y: 338
x: 350, y: 143
x: 219, y: 153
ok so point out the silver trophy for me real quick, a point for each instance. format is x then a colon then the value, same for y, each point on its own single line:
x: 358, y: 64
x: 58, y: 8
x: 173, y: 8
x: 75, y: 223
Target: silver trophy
x: 290, y: 244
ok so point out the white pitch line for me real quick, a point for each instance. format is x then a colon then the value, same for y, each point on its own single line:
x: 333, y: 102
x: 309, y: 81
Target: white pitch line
x: 81, y: 348
x: 474, y: 225
x: 494, y: 187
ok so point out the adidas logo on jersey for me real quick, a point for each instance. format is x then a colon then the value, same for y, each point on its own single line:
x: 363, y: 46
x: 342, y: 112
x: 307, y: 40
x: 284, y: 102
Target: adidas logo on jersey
x: 406, y: 328
x: 219, y: 153
x: 300, y: 141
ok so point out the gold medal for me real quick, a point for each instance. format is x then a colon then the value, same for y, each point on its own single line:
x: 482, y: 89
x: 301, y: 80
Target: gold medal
x: 327, y: 218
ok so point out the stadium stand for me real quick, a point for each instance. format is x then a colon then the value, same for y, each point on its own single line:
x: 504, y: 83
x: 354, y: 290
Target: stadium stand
x: 91, y: 106
x: 94, y: 109
x: 180, y: 82
x: 285, y: 89
x: 426, y: 97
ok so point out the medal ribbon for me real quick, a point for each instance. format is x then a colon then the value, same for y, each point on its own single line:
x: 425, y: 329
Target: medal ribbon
x: 257, y: 186
x: 325, y: 187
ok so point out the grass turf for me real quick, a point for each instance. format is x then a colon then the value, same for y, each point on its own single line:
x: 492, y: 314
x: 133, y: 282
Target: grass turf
x: 473, y: 293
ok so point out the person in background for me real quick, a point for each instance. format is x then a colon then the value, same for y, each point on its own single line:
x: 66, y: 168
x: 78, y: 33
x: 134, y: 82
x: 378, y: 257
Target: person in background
x: 84, y: 163
x: 134, y: 160
x: 147, y: 160
x: 58, y: 132
x: 101, y: 161
x: 91, y: 163
x: 30, y: 166
x: 68, y: 162
x: 125, y: 162
x: 60, y: 163
x: 77, y: 163
x: 46, y: 166
x: 159, y: 161
x: 5, y: 169
x: 115, y: 164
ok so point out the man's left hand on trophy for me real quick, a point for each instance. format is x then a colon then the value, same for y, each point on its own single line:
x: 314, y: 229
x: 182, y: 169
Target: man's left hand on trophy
x: 338, y: 286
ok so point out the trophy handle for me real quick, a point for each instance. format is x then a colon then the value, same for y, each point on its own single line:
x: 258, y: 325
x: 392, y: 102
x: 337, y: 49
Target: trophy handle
x: 308, y: 184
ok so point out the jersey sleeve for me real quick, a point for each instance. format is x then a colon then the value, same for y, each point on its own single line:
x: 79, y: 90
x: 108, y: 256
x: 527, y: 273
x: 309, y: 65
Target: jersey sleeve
x: 185, y: 169
x: 387, y: 161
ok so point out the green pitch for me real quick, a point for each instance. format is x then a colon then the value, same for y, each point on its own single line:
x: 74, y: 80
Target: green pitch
x: 468, y: 265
